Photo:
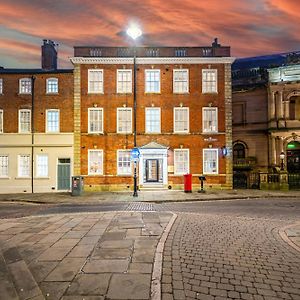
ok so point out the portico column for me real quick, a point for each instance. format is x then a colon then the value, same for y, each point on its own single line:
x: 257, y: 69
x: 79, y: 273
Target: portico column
x: 287, y: 110
x: 272, y: 105
x: 272, y: 150
x: 280, y: 105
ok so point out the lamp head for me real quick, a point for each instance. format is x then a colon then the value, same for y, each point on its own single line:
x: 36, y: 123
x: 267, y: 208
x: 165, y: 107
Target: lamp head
x: 134, y: 32
x: 282, y: 155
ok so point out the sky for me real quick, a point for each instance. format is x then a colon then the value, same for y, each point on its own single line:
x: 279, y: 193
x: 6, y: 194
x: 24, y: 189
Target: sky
x: 250, y: 27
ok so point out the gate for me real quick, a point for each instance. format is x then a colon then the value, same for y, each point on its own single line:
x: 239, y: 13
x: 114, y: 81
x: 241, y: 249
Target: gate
x: 239, y: 180
x: 254, y: 181
x: 63, y: 174
x: 294, y: 181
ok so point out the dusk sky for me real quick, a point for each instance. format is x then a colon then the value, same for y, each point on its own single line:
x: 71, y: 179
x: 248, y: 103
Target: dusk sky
x: 250, y: 27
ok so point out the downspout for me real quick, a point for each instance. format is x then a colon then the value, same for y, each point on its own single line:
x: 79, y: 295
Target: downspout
x: 32, y: 131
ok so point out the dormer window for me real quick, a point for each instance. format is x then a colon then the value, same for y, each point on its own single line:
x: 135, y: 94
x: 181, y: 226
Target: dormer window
x: 52, y: 86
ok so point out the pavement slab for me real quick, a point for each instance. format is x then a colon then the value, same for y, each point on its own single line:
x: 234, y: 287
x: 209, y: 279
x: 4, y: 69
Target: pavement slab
x: 106, y: 266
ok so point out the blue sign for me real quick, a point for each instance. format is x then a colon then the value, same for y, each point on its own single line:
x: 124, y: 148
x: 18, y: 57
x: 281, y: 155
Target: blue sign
x: 135, y: 154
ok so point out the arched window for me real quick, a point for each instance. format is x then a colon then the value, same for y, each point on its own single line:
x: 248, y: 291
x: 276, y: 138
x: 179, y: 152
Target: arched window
x: 239, y: 151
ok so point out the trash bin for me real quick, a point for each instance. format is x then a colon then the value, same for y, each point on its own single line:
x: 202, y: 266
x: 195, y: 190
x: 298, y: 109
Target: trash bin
x: 77, y: 185
x: 188, y: 183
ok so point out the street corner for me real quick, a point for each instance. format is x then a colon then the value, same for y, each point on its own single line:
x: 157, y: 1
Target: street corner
x: 291, y: 235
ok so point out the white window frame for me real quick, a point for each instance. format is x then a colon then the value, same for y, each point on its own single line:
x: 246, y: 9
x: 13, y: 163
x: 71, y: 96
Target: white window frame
x: 118, y: 120
x: 121, y: 84
x: 100, y: 109
x: 47, y: 124
x: 1, y: 86
x: 188, y: 120
x: 40, y: 174
x: 6, y: 167
x: 208, y: 130
x: 1, y: 121
x: 205, y: 171
x: 48, y: 80
x: 146, y: 128
x: 23, y: 91
x: 209, y: 86
x: 149, y: 91
x: 101, y: 90
x: 176, y: 89
x: 89, y: 162
x: 176, y: 172
x: 20, y: 112
x: 120, y: 171
x: 20, y: 166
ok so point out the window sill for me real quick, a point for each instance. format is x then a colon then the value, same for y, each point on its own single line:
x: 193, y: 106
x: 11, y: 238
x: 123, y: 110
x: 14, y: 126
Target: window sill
x: 52, y: 132
x: 211, y: 174
x: 24, y: 94
x: 124, y: 175
x: 51, y: 94
x: 152, y: 93
x: 210, y: 132
x: 152, y: 133
x: 183, y: 93
x: 24, y: 132
x: 95, y: 133
x: 181, y: 132
x: 41, y: 178
x: 210, y: 93
x: 95, y: 93
x: 124, y: 133
x: 125, y: 93
x: 21, y: 178
x: 4, y: 177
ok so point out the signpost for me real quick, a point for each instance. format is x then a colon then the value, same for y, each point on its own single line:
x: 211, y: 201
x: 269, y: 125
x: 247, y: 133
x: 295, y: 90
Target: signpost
x: 135, y: 156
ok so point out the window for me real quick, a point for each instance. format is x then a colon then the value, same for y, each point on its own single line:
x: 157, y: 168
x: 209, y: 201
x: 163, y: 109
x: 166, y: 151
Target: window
x: 24, y: 165
x: 180, y: 52
x: 239, y: 151
x: 181, y: 81
x: 52, y: 86
x: 52, y: 122
x: 95, y: 120
x: 210, y: 161
x: 181, y: 119
x: 95, y: 162
x: 209, y: 81
x: 124, y: 120
x: 124, y: 164
x: 210, y: 119
x: 153, y: 120
x: 3, y: 165
x: 181, y: 161
x: 1, y: 86
x: 25, y: 86
x: 42, y: 165
x: 24, y: 120
x: 152, y: 81
x: 1, y: 121
x: 95, y: 81
x: 124, y: 81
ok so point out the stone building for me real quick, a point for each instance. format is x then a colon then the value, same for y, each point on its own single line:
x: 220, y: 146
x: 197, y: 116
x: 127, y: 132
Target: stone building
x: 183, y: 116
x: 265, y: 116
x: 36, y: 126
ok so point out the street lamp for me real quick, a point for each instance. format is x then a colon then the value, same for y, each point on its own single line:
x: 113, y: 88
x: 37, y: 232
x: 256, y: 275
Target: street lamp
x: 134, y: 32
x: 282, y: 156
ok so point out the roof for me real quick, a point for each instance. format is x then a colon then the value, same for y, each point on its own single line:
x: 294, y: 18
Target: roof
x: 154, y: 145
x: 34, y: 71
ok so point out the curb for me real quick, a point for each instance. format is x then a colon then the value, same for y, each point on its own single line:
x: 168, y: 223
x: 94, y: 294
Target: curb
x: 284, y: 236
x: 158, y: 261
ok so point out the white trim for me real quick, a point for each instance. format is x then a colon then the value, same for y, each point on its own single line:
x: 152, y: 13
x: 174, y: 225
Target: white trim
x: 5, y: 176
x: 150, y: 132
x: 152, y: 70
x: 217, y: 161
x: 188, y: 161
x: 102, y: 123
x: 19, y: 121
x: 47, y: 80
x: 102, y: 88
x: 117, y: 81
x: 102, y: 167
x: 217, y: 117
x: 188, y: 119
x: 151, y: 60
x: 23, y: 79
x: 1, y: 86
x: 123, y: 174
x: 1, y: 123
x: 124, y: 108
x: 188, y: 80
x: 54, y: 110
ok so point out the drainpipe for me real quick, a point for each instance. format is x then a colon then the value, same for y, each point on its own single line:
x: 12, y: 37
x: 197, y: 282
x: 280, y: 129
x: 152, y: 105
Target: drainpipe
x: 32, y: 131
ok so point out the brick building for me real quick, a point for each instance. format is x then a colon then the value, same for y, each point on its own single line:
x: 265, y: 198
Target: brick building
x: 183, y: 115
x: 36, y: 126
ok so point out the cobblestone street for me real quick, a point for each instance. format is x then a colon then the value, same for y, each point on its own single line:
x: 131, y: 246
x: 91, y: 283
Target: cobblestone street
x: 221, y: 257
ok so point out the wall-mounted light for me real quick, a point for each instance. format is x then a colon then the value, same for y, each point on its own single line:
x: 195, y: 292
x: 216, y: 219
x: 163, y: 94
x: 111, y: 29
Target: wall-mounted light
x: 124, y: 105
x: 181, y: 104
x: 95, y: 105
x: 181, y: 146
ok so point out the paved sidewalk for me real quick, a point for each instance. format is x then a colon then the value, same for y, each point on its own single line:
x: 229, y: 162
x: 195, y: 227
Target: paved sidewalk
x: 146, y: 196
x: 80, y: 256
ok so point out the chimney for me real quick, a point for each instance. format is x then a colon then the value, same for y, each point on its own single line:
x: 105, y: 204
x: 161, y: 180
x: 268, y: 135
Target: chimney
x: 49, y: 55
x: 215, y: 43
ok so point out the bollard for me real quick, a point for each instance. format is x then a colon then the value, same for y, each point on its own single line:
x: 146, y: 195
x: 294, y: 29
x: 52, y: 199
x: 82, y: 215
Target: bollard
x: 201, y: 178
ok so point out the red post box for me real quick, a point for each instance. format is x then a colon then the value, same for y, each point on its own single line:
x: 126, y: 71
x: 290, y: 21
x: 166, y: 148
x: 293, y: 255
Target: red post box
x: 187, y: 183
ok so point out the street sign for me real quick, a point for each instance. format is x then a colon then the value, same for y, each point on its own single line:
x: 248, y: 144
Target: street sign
x: 135, y: 154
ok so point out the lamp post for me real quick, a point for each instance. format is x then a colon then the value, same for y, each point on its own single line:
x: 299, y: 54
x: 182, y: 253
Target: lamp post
x: 282, y: 156
x: 134, y: 32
